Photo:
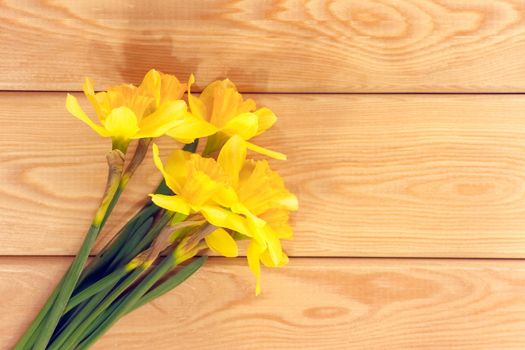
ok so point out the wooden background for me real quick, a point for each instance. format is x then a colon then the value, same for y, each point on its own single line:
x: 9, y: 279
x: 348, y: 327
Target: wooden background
x: 404, y: 124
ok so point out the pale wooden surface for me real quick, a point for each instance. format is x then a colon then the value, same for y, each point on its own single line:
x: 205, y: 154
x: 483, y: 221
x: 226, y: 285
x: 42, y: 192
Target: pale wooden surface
x: 398, y: 175
x: 312, y: 304
x: 284, y: 46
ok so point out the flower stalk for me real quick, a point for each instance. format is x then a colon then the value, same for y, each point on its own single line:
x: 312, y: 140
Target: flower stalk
x: 115, y: 160
x: 130, y: 300
x: 69, y: 336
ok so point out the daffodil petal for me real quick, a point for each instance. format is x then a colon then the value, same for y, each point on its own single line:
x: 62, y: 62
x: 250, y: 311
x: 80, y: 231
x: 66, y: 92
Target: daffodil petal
x: 166, y: 117
x: 266, y: 119
x: 199, y: 189
x: 177, y: 164
x: 255, y: 227
x: 267, y: 261
x: 225, y: 106
x: 191, y: 128
x: 245, y: 125
x: 284, y: 232
x: 89, y: 92
x: 284, y: 260
x: 226, y: 196
x: 87, y: 87
x: 240, y: 208
x: 151, y: 84
x: 277, y: 219
x: 232, y: 157
x: 224, y: 218
x: 171, y: 181
x: 273, y: 244
x: 170, y: 88
x: 265, y: 151
x: 289, y: 202
x: 74, y: 108
x: 171, y: 203
x: 197, y: 107
x: 207, y: 95
x: 222, y: 243
x: 248, y: 105
x: 253, y: 254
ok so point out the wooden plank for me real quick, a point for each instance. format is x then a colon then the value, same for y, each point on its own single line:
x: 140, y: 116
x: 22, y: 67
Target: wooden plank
x: 315, y: 46
x: 311, y: 304
x: 376, y: 175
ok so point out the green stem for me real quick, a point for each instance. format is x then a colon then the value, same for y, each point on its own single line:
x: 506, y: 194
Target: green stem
x: 191, y: 147
x: 120, y: 144
x: 152, y: 294
x: 212, y: 144
x: 70, y: 336
x: 106, y: 255
x: 139, y: 239
x: 66, y: 289
x: 156, y: 291
x: 102, y: 284
x: 129, y: 300
x: 115, y: 161
x: 29, y: 336
x: 105, y: 315
x: 149, y: 209
x: 100, y: 271
x: 171, y: 282
x: 119, y: 248
x: 119, y: 257
x: 88, y: 275
x: 133, y: 250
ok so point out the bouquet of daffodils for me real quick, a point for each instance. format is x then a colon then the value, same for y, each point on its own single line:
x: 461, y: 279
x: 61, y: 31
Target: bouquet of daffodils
x: 207, y: 201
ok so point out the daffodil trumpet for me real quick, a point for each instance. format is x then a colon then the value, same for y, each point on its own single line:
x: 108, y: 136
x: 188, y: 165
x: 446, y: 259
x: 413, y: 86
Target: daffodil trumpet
x: 207, y: 202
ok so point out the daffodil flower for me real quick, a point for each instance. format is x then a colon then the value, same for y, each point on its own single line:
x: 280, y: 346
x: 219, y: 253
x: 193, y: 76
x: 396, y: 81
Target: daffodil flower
x: 233, y: 194
x: 220, y: 112
x: 262, y: 198
x: 127, y: 112
x: 198, y: 183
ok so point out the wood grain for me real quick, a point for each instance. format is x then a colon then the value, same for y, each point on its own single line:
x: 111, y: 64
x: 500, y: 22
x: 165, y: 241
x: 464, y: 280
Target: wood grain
x: 312, y: 304
x: 275, y: 46
x: 376, y: 175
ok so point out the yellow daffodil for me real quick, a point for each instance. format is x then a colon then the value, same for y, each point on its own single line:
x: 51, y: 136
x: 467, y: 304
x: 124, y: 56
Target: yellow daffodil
x: 220, y: 112
x: 199, y: 183
x: 264, y: 200
x: 260, y: 208
x: 128, y: 112
x: 232, y: 193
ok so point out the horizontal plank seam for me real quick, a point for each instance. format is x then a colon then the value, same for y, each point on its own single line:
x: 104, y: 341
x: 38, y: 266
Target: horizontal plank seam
x: 322, y: 92
x: 317, y: 257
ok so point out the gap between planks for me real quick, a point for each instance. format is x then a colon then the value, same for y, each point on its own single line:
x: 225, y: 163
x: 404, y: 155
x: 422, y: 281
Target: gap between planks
x: 409, y: 93
x: 335, y: 258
